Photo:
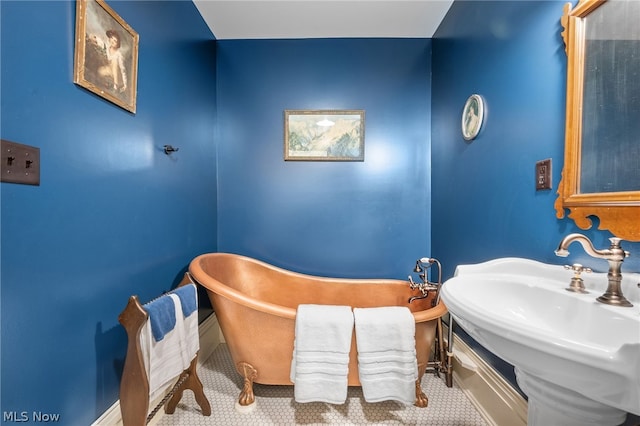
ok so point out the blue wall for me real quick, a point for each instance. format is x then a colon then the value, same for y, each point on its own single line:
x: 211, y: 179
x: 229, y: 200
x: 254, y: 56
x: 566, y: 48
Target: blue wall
x: 113, y: 216
x: 354, y: 219
x: 484, y: 202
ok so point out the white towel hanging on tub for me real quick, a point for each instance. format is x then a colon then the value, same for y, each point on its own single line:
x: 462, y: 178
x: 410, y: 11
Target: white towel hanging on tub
x: 387, y: 364
x: 320, y: 364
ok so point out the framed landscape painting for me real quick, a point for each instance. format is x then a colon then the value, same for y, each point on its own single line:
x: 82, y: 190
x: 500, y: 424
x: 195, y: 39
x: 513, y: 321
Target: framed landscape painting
x: 106, y: 54
x: 324, y: 135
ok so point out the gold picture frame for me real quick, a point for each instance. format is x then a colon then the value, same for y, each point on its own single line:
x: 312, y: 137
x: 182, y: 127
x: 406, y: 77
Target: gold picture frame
x: 106, y: 54
x: 324, y: 135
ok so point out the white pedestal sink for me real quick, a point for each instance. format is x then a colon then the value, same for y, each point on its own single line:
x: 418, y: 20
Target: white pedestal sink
x: 577, y: 360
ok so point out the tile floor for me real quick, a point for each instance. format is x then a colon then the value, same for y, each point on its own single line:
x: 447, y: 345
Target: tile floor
x: 275, y: 404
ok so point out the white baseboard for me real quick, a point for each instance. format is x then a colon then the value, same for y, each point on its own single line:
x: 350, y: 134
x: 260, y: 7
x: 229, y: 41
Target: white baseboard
x: 210, y: 338
x: 495, y: 399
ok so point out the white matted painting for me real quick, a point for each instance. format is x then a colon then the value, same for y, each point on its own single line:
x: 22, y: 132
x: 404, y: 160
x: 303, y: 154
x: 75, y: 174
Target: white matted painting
x: 324, y: 135
x: 472, y: 117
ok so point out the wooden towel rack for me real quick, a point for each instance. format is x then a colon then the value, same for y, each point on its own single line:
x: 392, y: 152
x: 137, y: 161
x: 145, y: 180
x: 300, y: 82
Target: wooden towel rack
x: 134, y: 386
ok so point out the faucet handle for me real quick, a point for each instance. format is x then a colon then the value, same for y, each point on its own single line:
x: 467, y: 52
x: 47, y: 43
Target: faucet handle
x: 577, y: 285
x: 578, y: 269
x: 412, y: 284
x: 615, y: 244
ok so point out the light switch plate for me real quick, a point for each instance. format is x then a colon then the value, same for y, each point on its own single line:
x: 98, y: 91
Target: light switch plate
x: 19, y: 163
x: 543, y: 174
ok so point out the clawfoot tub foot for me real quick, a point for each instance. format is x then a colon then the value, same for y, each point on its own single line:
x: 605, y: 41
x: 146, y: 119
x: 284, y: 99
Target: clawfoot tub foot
x: 247, y: 398
x: 421, y: 399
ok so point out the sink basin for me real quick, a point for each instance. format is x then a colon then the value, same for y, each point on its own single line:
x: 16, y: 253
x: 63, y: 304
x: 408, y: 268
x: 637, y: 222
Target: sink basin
x: 577, y: 360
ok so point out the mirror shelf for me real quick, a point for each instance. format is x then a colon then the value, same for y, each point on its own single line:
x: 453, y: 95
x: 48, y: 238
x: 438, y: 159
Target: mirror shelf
x: 617, y: 211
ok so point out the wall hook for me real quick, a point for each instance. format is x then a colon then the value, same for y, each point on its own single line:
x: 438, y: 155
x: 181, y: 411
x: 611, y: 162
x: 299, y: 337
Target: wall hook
x: 168, y: 149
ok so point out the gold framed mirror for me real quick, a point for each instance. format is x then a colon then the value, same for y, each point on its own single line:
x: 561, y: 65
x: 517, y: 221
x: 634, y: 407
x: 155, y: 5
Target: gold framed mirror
x: 601, y: 175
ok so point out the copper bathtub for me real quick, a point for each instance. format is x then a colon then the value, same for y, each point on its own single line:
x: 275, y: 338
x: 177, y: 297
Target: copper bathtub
x: 255, y: 304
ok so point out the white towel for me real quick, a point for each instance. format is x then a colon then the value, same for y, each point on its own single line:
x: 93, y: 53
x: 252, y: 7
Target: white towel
x: 166, y: 359
x: 320, y: 363
x: 379, y: 369
x: 387, y: 356
x: 389, y: 328
x: 389, y: 388
x: 324, y: 328
x: 387, y: 364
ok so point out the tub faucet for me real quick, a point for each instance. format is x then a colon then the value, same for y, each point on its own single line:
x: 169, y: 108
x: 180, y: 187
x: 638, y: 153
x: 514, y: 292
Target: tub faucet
x: 422, y: 265
x: 614, y: 255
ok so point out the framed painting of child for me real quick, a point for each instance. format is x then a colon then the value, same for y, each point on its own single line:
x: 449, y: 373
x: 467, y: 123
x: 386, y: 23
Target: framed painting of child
x: 106, y: 54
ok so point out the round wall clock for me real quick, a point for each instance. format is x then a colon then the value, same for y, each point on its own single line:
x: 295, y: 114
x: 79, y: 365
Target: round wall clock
x: 472, y: 117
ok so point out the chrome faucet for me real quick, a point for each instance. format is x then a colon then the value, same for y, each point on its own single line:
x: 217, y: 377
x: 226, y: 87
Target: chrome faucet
x: 614, y: 255
x: 422, y: 265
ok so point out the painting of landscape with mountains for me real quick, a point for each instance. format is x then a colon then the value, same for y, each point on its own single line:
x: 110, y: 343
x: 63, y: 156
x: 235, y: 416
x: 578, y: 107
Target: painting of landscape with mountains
x: 324, y: 135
